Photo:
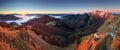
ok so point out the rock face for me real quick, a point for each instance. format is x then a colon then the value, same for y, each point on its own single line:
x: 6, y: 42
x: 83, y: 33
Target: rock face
x: 90, y: 30
x: 8, y: 17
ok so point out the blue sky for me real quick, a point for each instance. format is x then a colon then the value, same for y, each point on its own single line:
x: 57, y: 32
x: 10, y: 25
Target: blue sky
x: 58, y: 6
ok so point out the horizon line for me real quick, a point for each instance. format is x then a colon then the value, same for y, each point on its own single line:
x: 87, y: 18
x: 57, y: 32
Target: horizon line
x: 54, y: 13
x: 80, y: 12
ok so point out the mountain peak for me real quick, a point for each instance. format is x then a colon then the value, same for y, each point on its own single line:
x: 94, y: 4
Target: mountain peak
x: 101, y: 14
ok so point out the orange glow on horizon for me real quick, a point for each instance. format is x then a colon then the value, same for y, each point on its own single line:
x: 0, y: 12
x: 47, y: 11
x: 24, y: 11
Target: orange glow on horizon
x: 23, y: 14
x: 39, y: 12
x: 33, y: 13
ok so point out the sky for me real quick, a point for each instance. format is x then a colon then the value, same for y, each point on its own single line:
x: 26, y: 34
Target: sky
x: 57, y: 6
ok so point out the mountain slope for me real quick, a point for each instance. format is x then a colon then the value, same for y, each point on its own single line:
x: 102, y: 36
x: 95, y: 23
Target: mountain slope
x: 91, y: 31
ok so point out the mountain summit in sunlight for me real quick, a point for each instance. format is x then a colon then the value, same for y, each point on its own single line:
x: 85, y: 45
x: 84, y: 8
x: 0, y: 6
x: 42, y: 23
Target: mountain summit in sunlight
x: 97, y: 30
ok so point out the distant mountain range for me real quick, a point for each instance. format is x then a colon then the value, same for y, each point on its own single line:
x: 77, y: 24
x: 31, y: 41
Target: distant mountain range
x: 8, y: 17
